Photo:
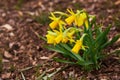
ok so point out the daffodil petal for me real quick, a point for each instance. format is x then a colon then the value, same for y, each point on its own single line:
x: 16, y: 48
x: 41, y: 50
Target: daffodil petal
x: 53, y: 24
x: 77, y: 47
x: 50, y: 39
x: 70, y: 20
x: 58, y: 38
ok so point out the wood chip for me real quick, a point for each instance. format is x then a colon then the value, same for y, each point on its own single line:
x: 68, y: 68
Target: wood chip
x: 117, y: 2
x: 8, y: 27
x: 5, y: 61
x: 20, y: 13
x: 50, y: 70
x: 44, y: 57
x: 7, y: 54
x: 6, y: 75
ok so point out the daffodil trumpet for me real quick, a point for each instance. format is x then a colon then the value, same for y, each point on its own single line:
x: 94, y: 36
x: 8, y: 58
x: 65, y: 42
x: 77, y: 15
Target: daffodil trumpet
x: 57, y: 22
x: 78, y: 45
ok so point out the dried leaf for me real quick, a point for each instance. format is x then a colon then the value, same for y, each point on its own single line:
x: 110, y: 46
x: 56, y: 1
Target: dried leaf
x: 7, y: 54
x: 6, y: 75
x: 7, y: 26
x: 117, y: 2
x: 5, y: 61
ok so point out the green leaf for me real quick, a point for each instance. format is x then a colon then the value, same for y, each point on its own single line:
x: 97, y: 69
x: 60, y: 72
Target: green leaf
x: 84, y: 63
x: 102, y: 35
x: 97, y: 30
x: 93, y: 21
x: 102, y: 38
x: 68, y: 50
x: 43, y: 38
x: 111, y: 41
x: 63, y: 61
x: 77, y: 56
x: 60, y: 49
x: 53, y: 48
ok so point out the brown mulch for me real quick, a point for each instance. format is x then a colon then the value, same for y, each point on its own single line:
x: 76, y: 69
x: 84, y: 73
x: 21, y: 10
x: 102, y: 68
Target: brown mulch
x: 21, y: 48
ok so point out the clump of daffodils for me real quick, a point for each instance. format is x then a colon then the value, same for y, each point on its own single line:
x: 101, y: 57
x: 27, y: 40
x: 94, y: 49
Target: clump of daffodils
x: 72, y: 34
x: 63, y: 31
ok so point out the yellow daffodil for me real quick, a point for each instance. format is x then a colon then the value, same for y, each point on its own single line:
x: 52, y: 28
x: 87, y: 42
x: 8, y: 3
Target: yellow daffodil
x: 80, y: 19
x: 65, y: 39
x: 56, y: 21
x: 71, y: 18
x: 78, y: 45
x: 64, y: 36
x: 61, y: 37
x: 51, y: 37
x: 70, y: 35
x: 56, y: 37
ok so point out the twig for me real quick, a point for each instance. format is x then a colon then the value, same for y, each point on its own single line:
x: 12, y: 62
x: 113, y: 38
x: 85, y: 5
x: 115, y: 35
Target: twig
x: 23, y: 76
x: 52, y: 74
x: 34, y: 32
x: 51, y: 56
x: 27, y: 68
x: 116, y: 51
x: 40, y: 37
x: 40, y: 77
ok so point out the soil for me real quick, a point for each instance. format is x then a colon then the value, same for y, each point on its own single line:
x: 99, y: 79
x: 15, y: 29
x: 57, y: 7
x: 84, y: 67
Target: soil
x: 22, y: 55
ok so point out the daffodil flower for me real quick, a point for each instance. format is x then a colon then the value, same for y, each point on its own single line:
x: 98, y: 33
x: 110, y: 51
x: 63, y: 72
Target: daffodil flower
x: 56, y: 21
x: 54, y: 37
x: 65, y: 36
x: 71, y: 18
x: 70, y: 34
x: 61, y: 37
x: 78, y: 45
x: 80, y: 19
x: 51, y: 37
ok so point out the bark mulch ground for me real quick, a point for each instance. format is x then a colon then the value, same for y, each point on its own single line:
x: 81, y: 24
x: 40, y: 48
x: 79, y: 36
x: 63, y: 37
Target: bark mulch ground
x: 21, y: 50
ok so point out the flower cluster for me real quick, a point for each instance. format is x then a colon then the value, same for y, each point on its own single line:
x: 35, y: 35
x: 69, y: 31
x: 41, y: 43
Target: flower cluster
x: 77, y: 36
x: 60, y: 32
